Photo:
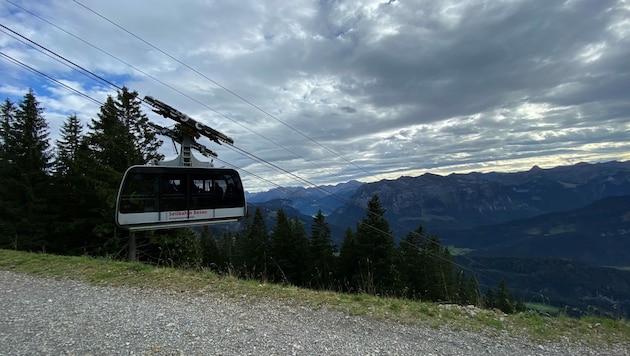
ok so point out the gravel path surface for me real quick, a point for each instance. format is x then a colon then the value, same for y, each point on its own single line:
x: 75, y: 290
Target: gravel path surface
x: 43, y: 316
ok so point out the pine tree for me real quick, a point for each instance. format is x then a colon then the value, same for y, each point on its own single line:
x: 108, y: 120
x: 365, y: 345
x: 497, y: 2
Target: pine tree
x: 280, y: 246
x: 68, y: 146
x: 437, y: 271
x: 25, y: 168
x: 348, y: 267
x: 173, y: 248
x: 119, y: 138
x: 211, y: 256
x: 288, y: 250
x: 7, y: 110
x: 473, y: 292
x: 489, y: 300
x: 301, y: 241
x: 251, y: 248
x: 505, y: 300
x: 75, y: 201
x: 375, y: 250
x: 226, y: 246
x: 145, y: 139
x: 8, y: 238
x: 463, y: 295
x: 321, y: 260
x: 410, y: 264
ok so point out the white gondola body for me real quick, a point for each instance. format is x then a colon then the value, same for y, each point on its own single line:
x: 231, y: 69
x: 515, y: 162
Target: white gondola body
x: 160, y: 197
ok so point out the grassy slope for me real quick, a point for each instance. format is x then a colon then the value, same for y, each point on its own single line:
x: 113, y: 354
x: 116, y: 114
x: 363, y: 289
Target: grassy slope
x: 591, y: 331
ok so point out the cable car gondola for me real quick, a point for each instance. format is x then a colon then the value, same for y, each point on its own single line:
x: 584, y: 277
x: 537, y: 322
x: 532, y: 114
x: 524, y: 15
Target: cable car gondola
x: 182, y: 192
x: 159, y: 197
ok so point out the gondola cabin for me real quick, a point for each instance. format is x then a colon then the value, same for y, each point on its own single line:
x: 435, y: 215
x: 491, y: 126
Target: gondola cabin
x: 159, y: 197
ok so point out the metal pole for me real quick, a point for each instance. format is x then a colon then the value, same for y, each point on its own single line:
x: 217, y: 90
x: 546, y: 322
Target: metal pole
x: 132, y: 254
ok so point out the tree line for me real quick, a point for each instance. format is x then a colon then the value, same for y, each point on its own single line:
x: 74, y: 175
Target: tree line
x: 61, y: 199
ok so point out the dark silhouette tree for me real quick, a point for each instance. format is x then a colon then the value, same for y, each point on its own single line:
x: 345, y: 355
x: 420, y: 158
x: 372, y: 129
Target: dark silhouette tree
x: 210, y: 254
x: 437, y: 271
x: 280, y: 249
x: 348, y: 267
x: 74, y: 200
x: 251, y: 248
x: 505, y: 299
x: 288, y: 250
x: 410, y: 264
x: 489, y: 299
x: 26, y: 162
x: 227, y: 247
x: 375, y: 250
x: 473, y: 294
x: 119, y: 138
x: 8, y: 148
x: 321, y: 258
x: 68, y: 147
x: 173, y: 248
x: 7, y: 110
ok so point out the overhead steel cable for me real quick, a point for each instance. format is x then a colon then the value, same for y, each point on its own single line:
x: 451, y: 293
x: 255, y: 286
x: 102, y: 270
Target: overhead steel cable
x: 17, y: 62
x: 242, y: 151
x: 159, y: 81
x: 167, y: 85
x: 233, y: 93
x: 60, y: 58
x: 29, y: 68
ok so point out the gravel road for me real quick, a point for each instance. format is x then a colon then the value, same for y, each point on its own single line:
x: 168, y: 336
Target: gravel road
x: 44, y: 316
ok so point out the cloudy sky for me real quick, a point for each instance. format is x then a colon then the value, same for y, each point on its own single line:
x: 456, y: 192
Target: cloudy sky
x: 337, y: 90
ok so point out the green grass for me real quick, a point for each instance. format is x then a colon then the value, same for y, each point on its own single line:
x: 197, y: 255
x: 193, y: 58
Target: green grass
x: 561, y: 229
x: 543, y: 308
x: 590, y: 331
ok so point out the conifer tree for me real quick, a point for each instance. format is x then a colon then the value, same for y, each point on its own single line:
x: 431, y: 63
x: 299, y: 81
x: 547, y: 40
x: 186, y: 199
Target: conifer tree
x: 375, y: 250
x: 7, y: 110
x: 300, y: 257
x: 489, y: 300
x: 251, y: 248
x: 8, y: 239
x: 25, y: 168
x: 280, y: 245
x: 348, y: 267
x: 437, y: 271
x: 173, y: 248
x: 473, y: 292
x: 73, y: 193
x: 211, y: 256
x: 463, y: 295
x: 68, y: 146
x: 505, y: 300
x: 410, y: 264
x: 119, y: 138
x: 288, y: 250
x: 321, y: 260
x: 227, y: 247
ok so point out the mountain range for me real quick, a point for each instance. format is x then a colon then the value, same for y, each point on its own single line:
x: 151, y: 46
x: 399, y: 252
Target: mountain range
x: 448, y: 205
x: 553, y: 232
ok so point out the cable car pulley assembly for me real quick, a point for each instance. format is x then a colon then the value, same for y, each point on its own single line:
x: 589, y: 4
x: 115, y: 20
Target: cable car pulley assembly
x: 184, y: 191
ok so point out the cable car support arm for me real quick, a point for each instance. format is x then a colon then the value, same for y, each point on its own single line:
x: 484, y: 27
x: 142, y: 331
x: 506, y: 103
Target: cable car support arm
x: 188, y: 129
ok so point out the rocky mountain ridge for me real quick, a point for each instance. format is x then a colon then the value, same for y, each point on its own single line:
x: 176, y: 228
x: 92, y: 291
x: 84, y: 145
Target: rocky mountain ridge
x: 458, y: 201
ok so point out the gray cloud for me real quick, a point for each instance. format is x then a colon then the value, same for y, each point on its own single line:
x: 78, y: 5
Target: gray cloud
x: 357, y: 90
